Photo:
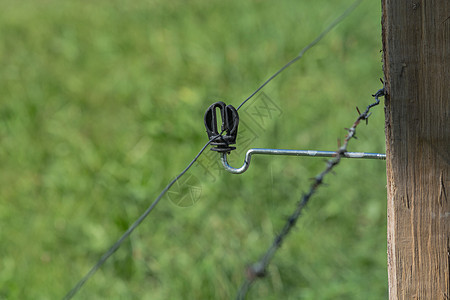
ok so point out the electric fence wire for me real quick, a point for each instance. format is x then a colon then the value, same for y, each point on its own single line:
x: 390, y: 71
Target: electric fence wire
x: 128, y: 232
x: 117, y: 244
x: 309, y: 46
x: 258, y: 269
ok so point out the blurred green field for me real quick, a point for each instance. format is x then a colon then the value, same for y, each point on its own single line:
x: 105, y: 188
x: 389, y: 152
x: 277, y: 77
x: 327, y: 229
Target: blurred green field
x: 102, y: 104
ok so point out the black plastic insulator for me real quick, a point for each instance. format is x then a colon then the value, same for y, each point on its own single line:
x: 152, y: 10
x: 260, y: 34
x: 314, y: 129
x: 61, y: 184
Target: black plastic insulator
x: 226, y: 135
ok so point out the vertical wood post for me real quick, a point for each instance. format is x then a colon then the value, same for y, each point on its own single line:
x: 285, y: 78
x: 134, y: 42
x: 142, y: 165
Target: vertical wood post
x: 416, y: 50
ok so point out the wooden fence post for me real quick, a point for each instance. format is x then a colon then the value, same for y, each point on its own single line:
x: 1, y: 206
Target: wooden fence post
x: 416, y: 50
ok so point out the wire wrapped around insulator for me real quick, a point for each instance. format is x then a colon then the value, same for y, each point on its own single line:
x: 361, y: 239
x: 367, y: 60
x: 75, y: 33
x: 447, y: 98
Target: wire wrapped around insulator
x: 227, y: 134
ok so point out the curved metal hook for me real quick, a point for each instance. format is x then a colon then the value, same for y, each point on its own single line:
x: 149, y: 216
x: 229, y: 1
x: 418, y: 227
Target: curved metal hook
x: 313, y: 153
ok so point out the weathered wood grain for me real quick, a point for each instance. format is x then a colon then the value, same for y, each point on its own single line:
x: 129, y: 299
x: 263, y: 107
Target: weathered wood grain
x: 416, y: 50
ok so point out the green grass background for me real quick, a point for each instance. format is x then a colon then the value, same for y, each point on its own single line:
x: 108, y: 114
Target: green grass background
x: 102, y: 104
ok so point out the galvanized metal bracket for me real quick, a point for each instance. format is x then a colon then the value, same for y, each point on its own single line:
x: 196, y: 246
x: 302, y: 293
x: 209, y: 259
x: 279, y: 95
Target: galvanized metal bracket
x: 310, y: 153
x: 221, y: 140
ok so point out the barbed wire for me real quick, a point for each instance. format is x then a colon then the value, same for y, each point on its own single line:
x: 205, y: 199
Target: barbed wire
x: 258, y: 269
x: 128, y: 232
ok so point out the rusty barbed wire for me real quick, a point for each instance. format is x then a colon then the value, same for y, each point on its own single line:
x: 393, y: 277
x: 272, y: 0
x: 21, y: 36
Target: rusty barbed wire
x: 259, y: 269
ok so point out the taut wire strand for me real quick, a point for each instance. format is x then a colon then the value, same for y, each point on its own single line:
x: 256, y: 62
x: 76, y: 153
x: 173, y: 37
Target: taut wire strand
x: 117, y: 244
x: 309, y: 46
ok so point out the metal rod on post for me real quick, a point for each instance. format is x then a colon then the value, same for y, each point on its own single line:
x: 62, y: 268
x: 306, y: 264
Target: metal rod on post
x: 286, y: 152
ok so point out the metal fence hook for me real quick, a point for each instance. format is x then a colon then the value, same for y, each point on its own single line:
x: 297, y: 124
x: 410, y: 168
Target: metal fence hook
x: 286, y: 152
x: 221, y: 140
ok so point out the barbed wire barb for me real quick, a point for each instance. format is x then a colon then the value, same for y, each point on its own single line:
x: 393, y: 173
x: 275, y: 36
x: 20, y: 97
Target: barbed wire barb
x: 259, y: 269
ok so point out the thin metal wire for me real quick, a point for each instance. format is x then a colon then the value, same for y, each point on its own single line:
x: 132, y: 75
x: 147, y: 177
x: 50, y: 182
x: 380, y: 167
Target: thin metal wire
x: 287, y: 152
x: 258, y: 269
x: 117, y: 244
x: 309, y: 46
